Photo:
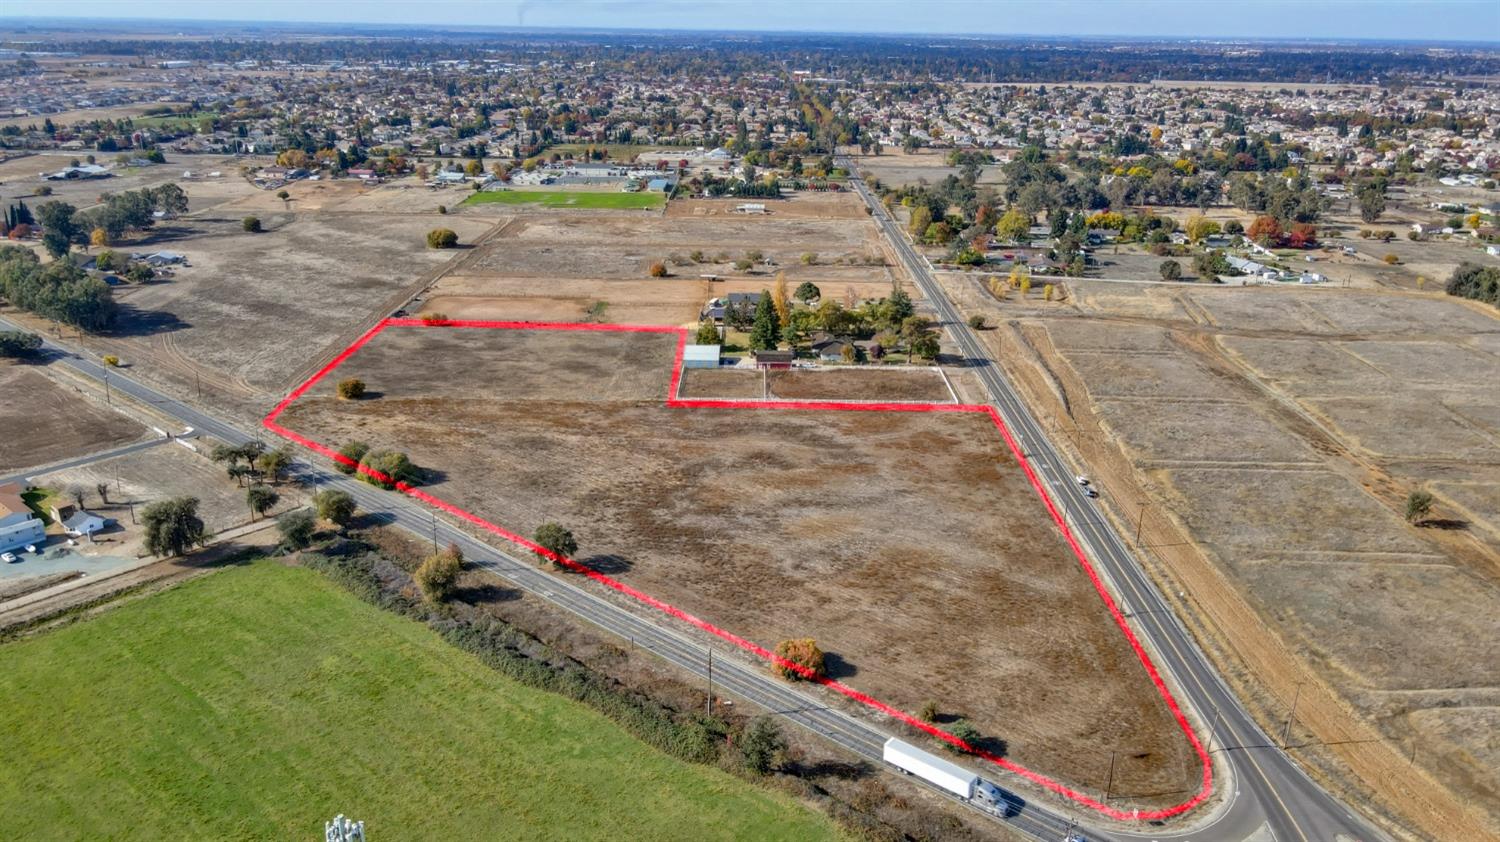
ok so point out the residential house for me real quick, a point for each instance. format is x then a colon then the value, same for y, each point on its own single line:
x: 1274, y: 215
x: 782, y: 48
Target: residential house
x: 84, y: 523
x: 18, y: 525
x: 774, y: 359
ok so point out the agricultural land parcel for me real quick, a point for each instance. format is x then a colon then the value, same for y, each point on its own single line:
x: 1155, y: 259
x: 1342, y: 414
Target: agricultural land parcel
x: 568, y: 199
x: 1279, y: 431
x: 909, y: 544
x: 548, y: 265
x: 259, y: 701
x: 43, y: 421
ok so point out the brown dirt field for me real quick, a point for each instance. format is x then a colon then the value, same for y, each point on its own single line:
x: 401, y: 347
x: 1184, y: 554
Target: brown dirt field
x: 739, y: 383
x: 865, y: 384
x: 844, y: 205
x: 1278, y: 530
x: 780, y: 524
x: 43, y: 421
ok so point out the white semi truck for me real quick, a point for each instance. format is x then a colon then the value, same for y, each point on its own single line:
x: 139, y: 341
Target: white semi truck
x: 939, y: 772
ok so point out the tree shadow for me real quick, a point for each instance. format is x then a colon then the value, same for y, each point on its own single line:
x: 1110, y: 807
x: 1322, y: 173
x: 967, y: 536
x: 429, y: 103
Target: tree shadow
x: 607, y: 563
x: 993, y: 745
x: 430, y: 476
x: 162, y: 234
x: 1444, y: 523
x: 133, y: 321
x: 837, y: 668
x: 836, y: 769
x: 486, y: 594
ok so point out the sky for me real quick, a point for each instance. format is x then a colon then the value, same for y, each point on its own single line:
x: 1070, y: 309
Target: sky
x: 1434, y: 20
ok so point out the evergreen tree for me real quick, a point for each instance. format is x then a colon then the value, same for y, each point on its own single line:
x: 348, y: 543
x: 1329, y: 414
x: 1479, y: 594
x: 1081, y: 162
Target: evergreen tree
x: 766, y: 331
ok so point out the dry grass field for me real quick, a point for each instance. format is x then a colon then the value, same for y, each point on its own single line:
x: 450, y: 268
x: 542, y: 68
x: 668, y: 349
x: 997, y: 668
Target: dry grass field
x: 43, y: 421
x: 908, y: 544
x: 1274, y: 434
x: 868, y: 384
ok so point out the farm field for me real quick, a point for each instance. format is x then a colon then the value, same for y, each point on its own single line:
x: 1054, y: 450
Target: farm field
x: 568, y: 199
x: 45, y: 421
x: 259, y: 701
x: 1263, y: 443
x: 784, y: 524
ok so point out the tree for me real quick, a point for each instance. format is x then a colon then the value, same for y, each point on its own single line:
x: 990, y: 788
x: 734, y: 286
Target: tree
x: 1418, y: 506
x: 556, y: 540
x: 1199, y: 228
x: 898, y: 306
x: 387, y: 468
x: 807, y: 292
x: 172, y: 526
x: 442, y: 238
x: 102, y: 489
x: 251, y: 224
x: 15, y: 343
x: 99, y: 238
x: 1171, y: 270
x: 921, y: 218
x: 335, y: 506
x: 1013, y: 227
x: 779, y: 299
x: 798, y: 659
x: 1265, y: 230
x: 351, y: 388
x: 914, y: 331
x: 296, y: 528
x: 965, y: 731
x: 658, y: 270
x: 929, y: 711
x: 708, y: 333
x: 762, y: 745
x: 352, y: 451
x: 765, y: 333
x: 925, y: 346
x: 438, y: 574
x: 976, y: 321
x: 285, y: 197
x: 273, y: 462
x: 238, y: 473
x: 1371, y: 197
x: 261, y: 499
x: 75, y: 492
x: 59, y: 228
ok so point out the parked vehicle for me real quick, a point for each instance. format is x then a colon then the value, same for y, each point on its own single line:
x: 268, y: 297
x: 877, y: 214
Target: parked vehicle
x: 1088, y: 491
x: 1082, y: 480
x: 939, y: 772
x: 9, y: 558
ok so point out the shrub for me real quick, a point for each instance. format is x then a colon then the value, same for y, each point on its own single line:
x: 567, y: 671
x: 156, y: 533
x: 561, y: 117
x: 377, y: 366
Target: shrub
x: 296, y: 528
x: 438, y: 574
x: 351, y: 389
x: 977, y: 322
x: 443, y: 209
x: 555, y: 539
x: 335, y: 506
x: 15, y: 343
x: 809, y: 258
x: 963, y: 730
x: 251, y: 224
x: 111, y: 360
x: 1391, y: 259
x: 762, y: 746
x: 1170, y: 270
x: 353, y: 451
x: 1418, y: 506
x: 442, y: 238
x: 658, y: 270
x: 802, y: 652
x: 434, y: 317
x: 929, y: 712
x: 386, y: 468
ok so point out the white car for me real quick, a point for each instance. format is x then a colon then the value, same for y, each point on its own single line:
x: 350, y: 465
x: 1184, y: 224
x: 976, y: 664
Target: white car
x: 1083, y: 481
x: 1089, y: 492
x: 9, y: 558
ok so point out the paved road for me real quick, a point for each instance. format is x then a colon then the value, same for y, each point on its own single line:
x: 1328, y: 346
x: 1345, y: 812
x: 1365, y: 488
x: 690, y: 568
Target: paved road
x: 1269, y: 789
x: 748, y: 682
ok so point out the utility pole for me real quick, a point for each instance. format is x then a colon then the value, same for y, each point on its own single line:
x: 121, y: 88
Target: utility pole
x: 1110, y: 784
x: 197, y: 384
x: 434, y: 533
x: 1286, y: 731
x: 106, y: 389
x: 1140, y: 519
x: 708, y: 706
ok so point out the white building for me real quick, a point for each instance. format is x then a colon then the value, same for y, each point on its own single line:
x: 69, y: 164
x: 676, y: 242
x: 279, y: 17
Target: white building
x: 18, y: 526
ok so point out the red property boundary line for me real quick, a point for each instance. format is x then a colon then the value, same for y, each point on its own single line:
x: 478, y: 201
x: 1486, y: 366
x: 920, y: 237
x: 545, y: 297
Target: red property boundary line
x: 1114, y: 610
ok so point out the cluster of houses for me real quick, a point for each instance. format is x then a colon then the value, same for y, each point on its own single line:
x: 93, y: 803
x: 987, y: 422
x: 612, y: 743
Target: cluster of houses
x: 21, y: 529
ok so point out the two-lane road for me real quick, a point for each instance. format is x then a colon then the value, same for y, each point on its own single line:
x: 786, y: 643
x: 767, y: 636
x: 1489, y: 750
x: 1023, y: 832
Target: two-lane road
x: 1269, y: 789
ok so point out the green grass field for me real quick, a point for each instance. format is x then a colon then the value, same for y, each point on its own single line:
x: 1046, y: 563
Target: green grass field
x: 567, y: 199
x: 257, y: 702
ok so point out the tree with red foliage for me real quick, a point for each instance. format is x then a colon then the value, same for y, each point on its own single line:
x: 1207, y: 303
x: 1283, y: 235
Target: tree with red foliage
x: 1302, y: 236
x: 1264, y: 230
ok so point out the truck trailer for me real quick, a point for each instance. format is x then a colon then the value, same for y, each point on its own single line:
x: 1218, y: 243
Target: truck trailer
x: 941, y: 773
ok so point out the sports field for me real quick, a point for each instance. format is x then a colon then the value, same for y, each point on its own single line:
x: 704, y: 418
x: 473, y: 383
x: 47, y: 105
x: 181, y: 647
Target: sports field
x: 568, y: 199
x: 259, y: 701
